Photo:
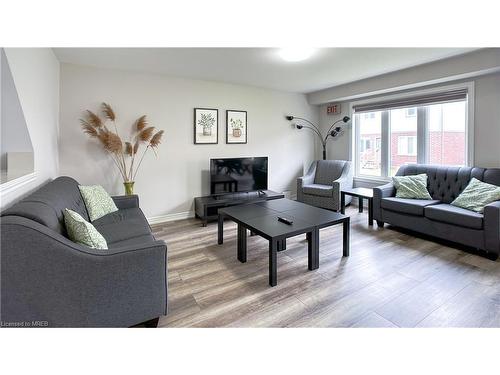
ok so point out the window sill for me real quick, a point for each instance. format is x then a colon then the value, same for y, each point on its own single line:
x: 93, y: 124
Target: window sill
x: 363, y: 181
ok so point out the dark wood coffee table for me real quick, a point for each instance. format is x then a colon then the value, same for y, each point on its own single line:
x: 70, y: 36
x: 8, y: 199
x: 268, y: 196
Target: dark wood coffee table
x: 360, y: 193
x: 262, y: 219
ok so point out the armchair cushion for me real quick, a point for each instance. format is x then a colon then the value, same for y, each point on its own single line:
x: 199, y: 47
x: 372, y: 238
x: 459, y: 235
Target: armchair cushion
x: 328, y: 170
x: 318, y: 189
x: 407, y: 205
x: 122, y: 225
x: 454, y: 215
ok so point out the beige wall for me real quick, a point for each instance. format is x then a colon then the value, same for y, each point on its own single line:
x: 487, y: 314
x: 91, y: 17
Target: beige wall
x: 35, y: 72
x: 167, y: 185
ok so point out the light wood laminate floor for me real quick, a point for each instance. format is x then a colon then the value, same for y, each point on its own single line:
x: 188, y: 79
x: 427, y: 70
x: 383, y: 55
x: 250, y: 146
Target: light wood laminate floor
x: 391, y: 279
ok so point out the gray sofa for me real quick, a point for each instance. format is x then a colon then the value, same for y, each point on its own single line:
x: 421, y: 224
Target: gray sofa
x: 437, y: 217
x: 48, y: 278
x: 323, y: 182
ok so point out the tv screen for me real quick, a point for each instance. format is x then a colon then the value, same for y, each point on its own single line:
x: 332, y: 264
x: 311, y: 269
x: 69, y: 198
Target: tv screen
x: 238, y: 175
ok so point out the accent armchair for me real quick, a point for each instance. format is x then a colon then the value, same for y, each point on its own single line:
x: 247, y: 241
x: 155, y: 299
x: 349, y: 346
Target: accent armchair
x: 323, y: 182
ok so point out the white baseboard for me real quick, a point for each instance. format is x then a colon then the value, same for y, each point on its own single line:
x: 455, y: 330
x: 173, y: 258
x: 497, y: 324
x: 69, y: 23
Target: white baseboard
x: 170, y: 217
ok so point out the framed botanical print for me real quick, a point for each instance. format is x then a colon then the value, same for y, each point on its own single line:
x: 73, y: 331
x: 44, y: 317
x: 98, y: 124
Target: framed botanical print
x: 236, y: 126
x: 206, y: 126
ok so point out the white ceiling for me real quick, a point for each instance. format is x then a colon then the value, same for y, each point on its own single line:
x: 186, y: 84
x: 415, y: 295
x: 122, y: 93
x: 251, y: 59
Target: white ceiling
x: 260, y: 67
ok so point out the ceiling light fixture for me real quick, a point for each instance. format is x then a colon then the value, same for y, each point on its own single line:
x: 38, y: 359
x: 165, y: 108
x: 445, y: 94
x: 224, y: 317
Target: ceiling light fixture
x: 296, y: 54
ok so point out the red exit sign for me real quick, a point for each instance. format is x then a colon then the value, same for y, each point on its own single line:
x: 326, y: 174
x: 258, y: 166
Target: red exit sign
x: 333, y: 109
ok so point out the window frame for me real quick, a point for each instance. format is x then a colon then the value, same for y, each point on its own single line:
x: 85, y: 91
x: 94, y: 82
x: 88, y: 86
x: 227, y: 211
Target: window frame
x: 421, y: 146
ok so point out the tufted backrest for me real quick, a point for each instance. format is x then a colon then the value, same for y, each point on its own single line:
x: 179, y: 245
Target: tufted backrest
x: 328, y: 170
x: 46, y: 205
x: 446, y: 183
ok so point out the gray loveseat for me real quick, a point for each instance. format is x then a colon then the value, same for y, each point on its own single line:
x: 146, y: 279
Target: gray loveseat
x: 323, y: 182
x: 437, y: 217
x: 47, y: 278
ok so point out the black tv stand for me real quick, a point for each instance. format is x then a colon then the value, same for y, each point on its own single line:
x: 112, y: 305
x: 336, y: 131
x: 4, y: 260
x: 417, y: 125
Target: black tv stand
x: 206, y: 208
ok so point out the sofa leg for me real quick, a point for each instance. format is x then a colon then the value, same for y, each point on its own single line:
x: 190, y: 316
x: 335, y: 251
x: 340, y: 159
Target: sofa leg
x: 153, y: 323
x: 380, y: 223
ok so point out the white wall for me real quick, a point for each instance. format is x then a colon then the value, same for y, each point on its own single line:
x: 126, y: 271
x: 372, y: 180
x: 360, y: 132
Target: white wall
x: 167, y: 185
x: 15, y: 136
x: 486, y: 123
x: 36, y: 76
x: 473, y: 64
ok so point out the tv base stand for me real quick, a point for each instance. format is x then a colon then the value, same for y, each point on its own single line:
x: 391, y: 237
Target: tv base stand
x: 207, y: 208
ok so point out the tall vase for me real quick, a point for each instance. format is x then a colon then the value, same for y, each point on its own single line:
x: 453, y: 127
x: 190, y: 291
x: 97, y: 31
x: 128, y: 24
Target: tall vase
x: 129, y: 187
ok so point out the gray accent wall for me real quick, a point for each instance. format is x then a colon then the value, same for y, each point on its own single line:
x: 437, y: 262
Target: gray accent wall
x: 168, y: 183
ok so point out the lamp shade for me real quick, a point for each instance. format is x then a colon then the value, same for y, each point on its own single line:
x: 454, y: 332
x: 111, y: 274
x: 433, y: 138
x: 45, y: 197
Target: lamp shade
x: 346, y: 118
x: 289, y: 118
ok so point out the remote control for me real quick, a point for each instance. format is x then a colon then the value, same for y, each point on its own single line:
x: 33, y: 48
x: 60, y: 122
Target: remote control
x: 285, y: 220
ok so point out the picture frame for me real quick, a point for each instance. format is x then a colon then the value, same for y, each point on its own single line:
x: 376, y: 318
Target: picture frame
x: 236, y: 127
x: 206, y: 126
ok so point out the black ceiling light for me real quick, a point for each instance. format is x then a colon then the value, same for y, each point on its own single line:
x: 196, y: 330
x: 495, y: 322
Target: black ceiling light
x: 332, y: 132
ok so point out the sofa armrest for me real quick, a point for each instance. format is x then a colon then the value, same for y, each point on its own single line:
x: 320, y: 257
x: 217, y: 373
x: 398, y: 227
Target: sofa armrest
x: 307, y: 179
x: 47, y: 277
x: 380, y: 192
x: 126, y: 201
x: 492, y: 227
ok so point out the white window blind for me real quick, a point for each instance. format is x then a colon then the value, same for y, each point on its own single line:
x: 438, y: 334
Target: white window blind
x: 415, y: 101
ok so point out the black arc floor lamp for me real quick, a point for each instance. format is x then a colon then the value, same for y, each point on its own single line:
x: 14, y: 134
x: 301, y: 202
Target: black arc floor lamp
x: 333, y: 131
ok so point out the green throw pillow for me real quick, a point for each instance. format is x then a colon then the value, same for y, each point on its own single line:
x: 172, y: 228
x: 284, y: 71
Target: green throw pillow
x: 82, y: 232
x: 97, y: 201
x: 477, y: 195
x: 413, y: 187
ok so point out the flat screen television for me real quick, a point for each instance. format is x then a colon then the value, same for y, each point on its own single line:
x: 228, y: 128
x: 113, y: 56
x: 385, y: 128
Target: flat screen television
x: 236, y: 175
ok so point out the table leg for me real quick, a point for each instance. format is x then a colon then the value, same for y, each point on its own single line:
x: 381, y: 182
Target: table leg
x: 242, y: 243
x: 220, y: 230
x: 313, y: 249
x: 360, y: 204
x: 346, y: 229
x: 370, y: 211
x: 282, y: 245
x: 342, y: 202
x: 273, y: 267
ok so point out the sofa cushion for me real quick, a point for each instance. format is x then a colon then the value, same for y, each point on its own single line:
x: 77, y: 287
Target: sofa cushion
x: 82, y: 232
x: 135, y: 241
x: 477, y: 195
x: 413, y: 187
x: 407, y: 206
x: 446, y: 183
x: 122, y: 225
x: 318, y: 189
x: 447, y: 213
x: 98, y: 201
